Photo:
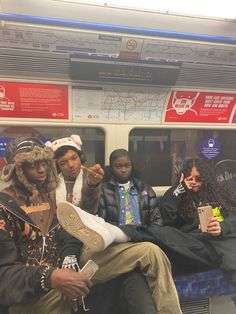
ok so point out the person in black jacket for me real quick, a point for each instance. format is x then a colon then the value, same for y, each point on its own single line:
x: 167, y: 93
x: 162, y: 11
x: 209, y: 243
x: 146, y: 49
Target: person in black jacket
x: 196, y: 186
x: 125, y: 199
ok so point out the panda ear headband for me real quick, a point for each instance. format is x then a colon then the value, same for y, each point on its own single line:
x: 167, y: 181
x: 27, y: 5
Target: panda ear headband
x: 73, y: 141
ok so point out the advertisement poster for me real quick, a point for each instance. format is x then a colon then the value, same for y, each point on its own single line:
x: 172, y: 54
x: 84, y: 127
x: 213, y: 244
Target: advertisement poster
x: 192, y: 106
x: 33, y: 100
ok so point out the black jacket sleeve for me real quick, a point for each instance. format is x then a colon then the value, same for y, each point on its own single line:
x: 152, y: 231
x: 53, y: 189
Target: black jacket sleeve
x: 228, y: 226
x: 154, y: 210
x: 102, y: 208
x: 68, y: 245
x: 18, y: 282
x: 170, y: 203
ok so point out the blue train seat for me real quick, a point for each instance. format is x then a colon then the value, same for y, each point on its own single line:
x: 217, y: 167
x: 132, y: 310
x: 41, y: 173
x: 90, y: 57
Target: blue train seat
x: 203, y: 285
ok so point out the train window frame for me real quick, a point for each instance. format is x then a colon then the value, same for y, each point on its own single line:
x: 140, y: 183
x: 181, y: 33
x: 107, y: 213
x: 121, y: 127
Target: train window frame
x: 93, y: 138
x: 159, y: 153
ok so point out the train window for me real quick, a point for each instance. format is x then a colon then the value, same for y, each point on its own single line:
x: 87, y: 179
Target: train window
x: 159, y: 153
x: 93, y: 139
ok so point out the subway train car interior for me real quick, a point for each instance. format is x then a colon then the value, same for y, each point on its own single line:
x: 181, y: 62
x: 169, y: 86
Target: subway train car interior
x: 157, y: 80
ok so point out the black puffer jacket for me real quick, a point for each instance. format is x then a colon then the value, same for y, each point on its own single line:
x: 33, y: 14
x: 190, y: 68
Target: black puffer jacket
x: 109, y: 207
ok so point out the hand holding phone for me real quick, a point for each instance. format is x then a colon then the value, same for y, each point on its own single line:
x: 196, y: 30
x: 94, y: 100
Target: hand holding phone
x: 89, y: 268
x: 205, y: 213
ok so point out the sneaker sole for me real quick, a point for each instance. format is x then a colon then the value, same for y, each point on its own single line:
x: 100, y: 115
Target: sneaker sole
x: 72, y: 223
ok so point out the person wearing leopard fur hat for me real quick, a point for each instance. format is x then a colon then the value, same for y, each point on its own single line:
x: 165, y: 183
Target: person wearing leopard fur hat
x: 34, y: 248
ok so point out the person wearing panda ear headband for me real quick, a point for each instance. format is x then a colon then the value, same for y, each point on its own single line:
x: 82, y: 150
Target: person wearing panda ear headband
x: 78, y: 185
x: 81, y: 186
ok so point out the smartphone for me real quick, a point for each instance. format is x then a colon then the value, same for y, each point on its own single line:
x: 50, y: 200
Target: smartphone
x: 90, y: 268
x: 205, y: 213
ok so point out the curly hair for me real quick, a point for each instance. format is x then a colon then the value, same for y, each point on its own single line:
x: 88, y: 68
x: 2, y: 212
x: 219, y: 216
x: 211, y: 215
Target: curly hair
x: 212, y: 192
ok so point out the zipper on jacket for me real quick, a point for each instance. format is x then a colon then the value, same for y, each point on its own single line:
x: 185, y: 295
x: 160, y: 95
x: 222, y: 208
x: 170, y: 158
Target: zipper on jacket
x: 43, y: 250
x: 44, y: 244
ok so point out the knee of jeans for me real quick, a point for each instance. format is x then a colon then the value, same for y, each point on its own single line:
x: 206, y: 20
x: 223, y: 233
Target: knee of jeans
x: 150, y: 246
x: 155, y: 252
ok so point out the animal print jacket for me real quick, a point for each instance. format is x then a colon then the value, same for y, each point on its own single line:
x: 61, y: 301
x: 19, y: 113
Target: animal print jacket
x: 26, y: 249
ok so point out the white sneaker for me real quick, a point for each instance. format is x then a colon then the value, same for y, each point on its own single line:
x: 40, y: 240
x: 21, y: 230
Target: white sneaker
x: 86, y: 227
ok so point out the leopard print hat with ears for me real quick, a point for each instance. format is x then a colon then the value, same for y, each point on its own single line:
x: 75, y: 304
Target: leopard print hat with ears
x: 22, y: 150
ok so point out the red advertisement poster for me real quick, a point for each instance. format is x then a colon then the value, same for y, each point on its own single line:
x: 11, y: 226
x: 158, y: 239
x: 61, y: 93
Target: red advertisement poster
x: 192, y: 106
x: 33, y: 100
